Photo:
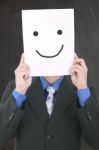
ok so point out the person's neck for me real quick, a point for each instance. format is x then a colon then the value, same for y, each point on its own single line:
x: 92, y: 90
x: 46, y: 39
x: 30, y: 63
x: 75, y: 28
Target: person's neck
x: 51, y: 79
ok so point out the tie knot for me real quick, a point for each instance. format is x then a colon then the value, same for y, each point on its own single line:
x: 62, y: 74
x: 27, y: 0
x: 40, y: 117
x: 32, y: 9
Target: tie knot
x: 50, y: 89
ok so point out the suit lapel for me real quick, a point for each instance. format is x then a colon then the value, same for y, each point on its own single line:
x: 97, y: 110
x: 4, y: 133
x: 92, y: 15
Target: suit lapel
x: 64, y: 98
x: 36, y: 100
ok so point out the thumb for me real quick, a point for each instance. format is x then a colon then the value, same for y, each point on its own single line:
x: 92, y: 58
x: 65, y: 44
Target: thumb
x: 22, y: 60
x: 75, y: 56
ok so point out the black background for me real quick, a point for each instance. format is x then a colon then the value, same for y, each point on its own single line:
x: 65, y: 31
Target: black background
x: 86, y: 37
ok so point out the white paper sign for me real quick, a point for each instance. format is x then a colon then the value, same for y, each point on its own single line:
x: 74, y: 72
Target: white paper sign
x: 48, y: 37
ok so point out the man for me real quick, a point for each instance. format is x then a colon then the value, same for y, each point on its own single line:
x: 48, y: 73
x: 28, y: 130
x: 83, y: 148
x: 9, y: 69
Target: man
x: 24, y: 113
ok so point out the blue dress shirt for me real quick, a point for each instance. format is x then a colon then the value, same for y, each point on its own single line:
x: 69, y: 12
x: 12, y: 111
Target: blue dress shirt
x: 83, y: 94
x: 56, y: 84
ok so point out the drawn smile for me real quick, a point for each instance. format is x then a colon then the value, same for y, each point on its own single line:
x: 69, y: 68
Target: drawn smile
x: 52, y: 55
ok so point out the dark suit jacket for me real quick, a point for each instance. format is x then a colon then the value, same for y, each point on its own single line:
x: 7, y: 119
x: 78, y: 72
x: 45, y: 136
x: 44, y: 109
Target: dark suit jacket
x: 33, y: 129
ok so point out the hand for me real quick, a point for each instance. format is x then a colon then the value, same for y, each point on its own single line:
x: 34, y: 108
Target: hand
x: 22, y: 77
x: 78, y: 73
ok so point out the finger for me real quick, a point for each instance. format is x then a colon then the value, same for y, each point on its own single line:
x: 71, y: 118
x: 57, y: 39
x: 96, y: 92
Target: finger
x: 25, y: 74
x: 80, y: 62
x: 22, y: 73
x: 75, y: 56
x: 79, y: 65
x: 78, y: 68
x: 75, y: 71
x: 20, y: 69
x: 23, y: 66
x: 22, y: 60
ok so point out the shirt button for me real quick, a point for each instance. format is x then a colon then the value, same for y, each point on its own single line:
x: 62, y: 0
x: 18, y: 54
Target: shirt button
x: 49, y: 137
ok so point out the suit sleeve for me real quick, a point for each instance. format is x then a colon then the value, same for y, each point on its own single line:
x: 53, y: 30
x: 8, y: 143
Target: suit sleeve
x: 89, y: 120
x: 10, y: 115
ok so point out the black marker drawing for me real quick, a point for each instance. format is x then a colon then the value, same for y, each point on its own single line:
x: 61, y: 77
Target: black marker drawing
x: 52, y: 55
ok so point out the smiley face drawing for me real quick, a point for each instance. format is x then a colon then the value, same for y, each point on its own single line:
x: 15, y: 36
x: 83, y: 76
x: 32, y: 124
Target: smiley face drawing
x: 59, y: 32
x: 48, y: 38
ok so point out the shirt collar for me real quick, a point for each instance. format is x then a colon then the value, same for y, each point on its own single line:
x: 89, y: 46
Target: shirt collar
x: 56, y: 84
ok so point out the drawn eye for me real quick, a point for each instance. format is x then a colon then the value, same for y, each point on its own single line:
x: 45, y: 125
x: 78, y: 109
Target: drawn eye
x: 35, y: 33
x: 59, y: 32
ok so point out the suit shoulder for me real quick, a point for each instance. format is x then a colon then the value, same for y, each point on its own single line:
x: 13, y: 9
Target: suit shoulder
x: 11, y: 84
x: 8, y: 90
